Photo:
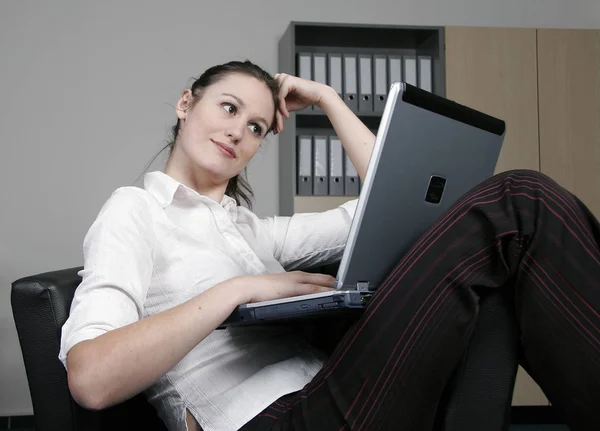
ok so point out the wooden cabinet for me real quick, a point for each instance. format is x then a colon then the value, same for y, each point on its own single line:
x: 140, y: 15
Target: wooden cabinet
x: 546, y: 85
x: 494, y: 70
x: 569, y: 110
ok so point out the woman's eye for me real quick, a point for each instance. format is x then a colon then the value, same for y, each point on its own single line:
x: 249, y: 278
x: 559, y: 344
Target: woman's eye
x: 229, y: 108
x: 256, y: 129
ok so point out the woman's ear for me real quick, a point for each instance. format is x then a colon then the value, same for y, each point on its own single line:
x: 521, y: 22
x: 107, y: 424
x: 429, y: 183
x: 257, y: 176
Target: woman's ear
x: 183, y: 104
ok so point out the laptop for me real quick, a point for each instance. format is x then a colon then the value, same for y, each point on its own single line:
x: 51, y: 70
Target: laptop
x: 429, y: 151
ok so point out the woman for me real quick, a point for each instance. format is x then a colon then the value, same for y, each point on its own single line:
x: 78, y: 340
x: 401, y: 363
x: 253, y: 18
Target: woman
x: 165, y: 265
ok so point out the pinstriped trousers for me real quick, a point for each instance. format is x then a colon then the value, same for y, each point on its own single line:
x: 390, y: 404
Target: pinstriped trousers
x: 518, y: 230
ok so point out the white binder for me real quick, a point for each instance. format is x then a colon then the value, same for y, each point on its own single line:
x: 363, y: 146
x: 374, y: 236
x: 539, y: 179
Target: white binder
x: 381, y: 83
x: 319, y: 70
x: 350, y: 81
x: 336, y: 167
x: 395, y: 68
x: 304, y: 66
x: 304, y: 176
x: 425, y: 73
x: 410, y: 69
x: 365, y: 70
x: 335, y: 73
x: 320, y: 179
x: 350, y: 177
x: 320, y: 67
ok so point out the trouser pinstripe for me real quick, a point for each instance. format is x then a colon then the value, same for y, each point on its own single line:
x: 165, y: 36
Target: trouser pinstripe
x: 518, y: 230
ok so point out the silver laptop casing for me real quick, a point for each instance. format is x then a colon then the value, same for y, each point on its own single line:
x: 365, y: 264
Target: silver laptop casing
x: 419, y: 144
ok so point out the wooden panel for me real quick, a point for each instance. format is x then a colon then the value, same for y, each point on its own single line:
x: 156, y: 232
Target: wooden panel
x: 308, y: 204
x: 527, y: 392
x: 569, y: 87
x: 494, y: 70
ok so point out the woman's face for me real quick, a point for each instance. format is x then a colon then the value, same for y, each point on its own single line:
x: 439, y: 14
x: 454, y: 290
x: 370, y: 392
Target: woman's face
x: 222, y: 131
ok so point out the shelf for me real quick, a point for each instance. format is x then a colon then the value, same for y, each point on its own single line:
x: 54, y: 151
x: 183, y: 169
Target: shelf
x: 307, y: 204
x: 363, y: 36
x: 320, y: 121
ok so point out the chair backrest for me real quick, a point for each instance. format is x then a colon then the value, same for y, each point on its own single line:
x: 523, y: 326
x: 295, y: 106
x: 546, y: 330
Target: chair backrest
x: 41, y: 306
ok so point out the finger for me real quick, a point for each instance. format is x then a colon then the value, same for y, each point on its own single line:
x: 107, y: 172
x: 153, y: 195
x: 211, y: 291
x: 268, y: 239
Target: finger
x: 315, y: 288
x: 307, y: 289
x: 283, y: 106
x: 284, y: 90
x: 284, y: 109
x: 279, y: 125
x: 298, y: 290
x: 324, y: 280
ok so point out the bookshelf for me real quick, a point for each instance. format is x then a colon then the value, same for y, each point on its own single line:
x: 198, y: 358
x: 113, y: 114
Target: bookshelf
x: 408, y: 44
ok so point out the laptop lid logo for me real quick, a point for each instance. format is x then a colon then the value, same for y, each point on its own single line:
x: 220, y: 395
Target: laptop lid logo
x: 435, y: 190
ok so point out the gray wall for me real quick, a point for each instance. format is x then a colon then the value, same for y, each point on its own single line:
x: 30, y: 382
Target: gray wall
x: 86, y: 90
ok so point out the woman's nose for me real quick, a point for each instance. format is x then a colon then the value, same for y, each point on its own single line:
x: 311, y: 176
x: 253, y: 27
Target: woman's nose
x: 236, y: 130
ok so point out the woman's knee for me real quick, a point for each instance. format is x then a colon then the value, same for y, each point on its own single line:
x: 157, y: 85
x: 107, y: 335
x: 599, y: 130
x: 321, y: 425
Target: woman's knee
x: 525, y: 175
x: 520, y: 173
x: 534, y: 181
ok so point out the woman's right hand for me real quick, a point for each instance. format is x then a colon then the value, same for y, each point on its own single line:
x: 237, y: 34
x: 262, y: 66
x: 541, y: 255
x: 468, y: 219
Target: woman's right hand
x: 267, y: 287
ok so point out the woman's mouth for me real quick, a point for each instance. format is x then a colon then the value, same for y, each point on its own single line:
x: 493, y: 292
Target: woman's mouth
x: 225, y: 150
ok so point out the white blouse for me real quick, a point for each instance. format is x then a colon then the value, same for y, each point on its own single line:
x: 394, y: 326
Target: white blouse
x: 154, y: 248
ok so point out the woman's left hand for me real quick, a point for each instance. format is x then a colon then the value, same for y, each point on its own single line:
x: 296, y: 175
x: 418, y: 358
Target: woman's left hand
x: 295, y: 94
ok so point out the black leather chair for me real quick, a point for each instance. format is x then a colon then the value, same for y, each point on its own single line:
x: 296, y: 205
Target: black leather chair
x: 477, y: 398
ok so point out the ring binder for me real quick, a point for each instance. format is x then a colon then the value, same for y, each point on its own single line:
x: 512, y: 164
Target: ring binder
x: 365, y: 101
x: 304, y: 166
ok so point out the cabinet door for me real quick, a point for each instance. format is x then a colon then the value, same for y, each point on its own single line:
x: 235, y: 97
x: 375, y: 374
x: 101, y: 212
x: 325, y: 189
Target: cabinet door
x: 569, y: 87
x: 494, y: 70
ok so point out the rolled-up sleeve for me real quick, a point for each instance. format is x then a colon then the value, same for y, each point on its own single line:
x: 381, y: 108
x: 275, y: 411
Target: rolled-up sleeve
x: 118, y: 261
x: 308, y: 239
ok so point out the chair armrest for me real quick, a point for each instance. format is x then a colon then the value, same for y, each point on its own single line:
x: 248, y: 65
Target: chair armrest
x: 41, y: 305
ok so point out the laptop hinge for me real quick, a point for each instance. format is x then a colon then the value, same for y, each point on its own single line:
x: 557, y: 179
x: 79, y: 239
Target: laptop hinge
x: 362, y: 286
